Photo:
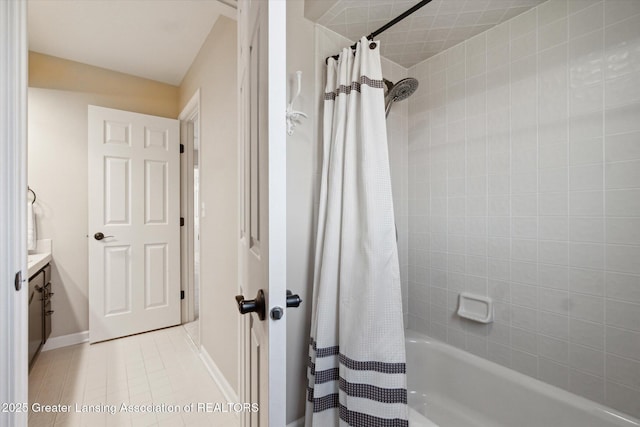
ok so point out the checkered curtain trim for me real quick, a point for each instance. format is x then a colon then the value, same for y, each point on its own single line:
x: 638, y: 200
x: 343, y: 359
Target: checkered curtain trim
x: 353, y: 418
x: 364, y: 80
x: 367, y: 391
x: 359, y: 419
x: 382, y: 367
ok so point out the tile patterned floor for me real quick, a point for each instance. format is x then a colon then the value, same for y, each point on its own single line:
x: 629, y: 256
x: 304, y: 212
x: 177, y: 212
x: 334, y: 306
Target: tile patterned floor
x: 193, y: 330
x: 160, y: 367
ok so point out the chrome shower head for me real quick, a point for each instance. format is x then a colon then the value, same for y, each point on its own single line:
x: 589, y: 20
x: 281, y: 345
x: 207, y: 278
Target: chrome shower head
x: 399, y: 91
x: 403, y: 89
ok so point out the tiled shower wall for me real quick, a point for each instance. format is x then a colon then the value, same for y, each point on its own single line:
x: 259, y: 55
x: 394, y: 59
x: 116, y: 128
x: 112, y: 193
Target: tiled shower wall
x: 524, y: 185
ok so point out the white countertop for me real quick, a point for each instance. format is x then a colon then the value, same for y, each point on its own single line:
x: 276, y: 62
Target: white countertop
x: 36, y: 261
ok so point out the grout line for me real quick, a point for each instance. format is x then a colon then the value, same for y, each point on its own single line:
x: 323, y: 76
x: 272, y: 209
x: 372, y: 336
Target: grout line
x: 604, y: 201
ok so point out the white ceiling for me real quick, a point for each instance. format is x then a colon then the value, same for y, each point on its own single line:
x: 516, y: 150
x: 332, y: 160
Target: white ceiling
x: 433, y: 28
x: 154, y: 39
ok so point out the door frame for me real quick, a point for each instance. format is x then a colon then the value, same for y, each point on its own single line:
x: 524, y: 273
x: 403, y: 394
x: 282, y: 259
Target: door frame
x: 187, y: 237
x: 13, y: 229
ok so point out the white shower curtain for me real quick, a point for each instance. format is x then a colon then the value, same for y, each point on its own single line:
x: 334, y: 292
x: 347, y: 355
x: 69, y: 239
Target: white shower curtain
x: 356, y: 372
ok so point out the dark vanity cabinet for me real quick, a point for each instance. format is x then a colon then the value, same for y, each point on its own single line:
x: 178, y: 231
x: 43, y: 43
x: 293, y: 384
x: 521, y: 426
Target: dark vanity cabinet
x: 39, y: 310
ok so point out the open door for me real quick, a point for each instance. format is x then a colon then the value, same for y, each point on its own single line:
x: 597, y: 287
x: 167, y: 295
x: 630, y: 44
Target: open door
x: 13, y: 214
x: 262, y: 249
x: 134, y: 223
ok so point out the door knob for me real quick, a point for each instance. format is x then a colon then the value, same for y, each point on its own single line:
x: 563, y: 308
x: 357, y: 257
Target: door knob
x: 253, y: 305
x: 293, y: 300
x: 100, y: 236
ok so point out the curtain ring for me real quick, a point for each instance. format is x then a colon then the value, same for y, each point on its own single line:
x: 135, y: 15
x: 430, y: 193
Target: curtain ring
x: 372, y: 45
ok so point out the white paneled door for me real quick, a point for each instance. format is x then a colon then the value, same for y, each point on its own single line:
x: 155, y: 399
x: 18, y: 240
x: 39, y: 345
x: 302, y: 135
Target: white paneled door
x: 262, y: 248
x: 134, y: 223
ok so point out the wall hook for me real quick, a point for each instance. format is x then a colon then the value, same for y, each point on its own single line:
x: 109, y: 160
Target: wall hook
x: 293, y: 116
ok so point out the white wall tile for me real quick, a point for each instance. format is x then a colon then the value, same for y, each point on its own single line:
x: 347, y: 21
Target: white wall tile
x: 586, y: 281
x: 554, y: 349
x: 623, y: 258
x: 553, y: 373
x: 586, y: 20
x: 623, y: 314
x: 587, y: 385
x: 525, y: 363
x: 586, y: 229
x: 623, y: 371
x: 553, y: 300
x: 618, y: 10
x: 588, y: 177
x: 622, y: 90
x: 524, y: 205
x: 586, y: 255
x: 524, y: 182
x: 552, y: 34
x: 586, y: 307
x: 533, y: 174
x: 524, y: 272
x: 524, y: 295
x: 586, y: 333
x: 551, y: 11
x: 623, y: 119
x: 622, y: 342
x: 553, y: 180
x: 585, y: 151
x: 553, y: 276
x: 623, y: 203
x: 499, y: 353
x: 553, y: 155
x: 553, y: 252
x: 586, y: 359
x: 554, y: 325
x: 625, y: 287
x: 523, y: 317
x: 553, y: 228
x: 623, y: 174
x: 623, y: 147
x: 523, y: 24
x: 524, y: 340
x: 586, y: 203
x: 622, y: 35
x: 623, y: 230
x: 553, y: 204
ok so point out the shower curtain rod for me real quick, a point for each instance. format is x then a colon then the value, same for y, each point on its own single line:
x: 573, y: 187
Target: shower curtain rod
x: 386, y: 26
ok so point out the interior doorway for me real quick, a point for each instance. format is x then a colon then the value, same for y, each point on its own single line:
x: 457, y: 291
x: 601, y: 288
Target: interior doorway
x: 192, y: 210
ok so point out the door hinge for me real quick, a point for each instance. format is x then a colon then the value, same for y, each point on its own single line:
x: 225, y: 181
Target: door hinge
x: 181, y: 294
x: 181, y: 148
x: 181, y: 222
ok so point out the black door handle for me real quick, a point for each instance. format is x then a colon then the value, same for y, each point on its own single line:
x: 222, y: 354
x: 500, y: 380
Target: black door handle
x: 100, y: 236
x: 293, y: 300
x: 253, y: 305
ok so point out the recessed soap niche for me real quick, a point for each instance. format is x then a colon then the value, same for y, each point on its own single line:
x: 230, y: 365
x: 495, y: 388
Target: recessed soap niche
x: 475, y: 307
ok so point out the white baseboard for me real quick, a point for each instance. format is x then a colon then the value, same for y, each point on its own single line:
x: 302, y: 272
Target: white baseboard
x: 228, y: 391
x: 297, y: 423
x: 66, y: 340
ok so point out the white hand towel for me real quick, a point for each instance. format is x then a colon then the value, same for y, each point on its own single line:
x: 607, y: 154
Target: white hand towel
x: 31, y: 228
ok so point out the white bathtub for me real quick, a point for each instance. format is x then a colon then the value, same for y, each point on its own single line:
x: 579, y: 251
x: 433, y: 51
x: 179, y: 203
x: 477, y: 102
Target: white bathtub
x: 451, y: 388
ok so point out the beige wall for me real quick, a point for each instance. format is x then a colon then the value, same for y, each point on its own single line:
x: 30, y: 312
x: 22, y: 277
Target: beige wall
x: 118, y: 90
x: 57, y: 120
x: 214, y: 73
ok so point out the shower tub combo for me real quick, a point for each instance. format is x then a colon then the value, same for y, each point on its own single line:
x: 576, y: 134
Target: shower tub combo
x: 449, y: 387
